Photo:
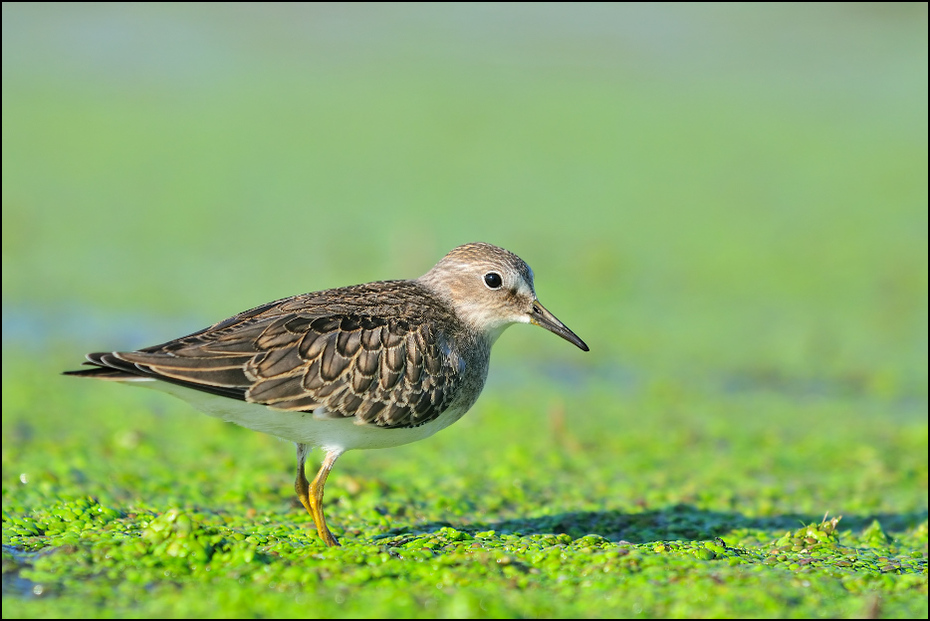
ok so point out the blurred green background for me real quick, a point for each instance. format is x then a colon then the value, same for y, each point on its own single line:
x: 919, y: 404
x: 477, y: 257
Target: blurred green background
x: 727, y: 200
x: 712, y: 190
x: 723, y: 189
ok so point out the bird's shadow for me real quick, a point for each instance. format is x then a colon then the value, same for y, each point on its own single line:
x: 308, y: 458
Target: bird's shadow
x: 673, y: 523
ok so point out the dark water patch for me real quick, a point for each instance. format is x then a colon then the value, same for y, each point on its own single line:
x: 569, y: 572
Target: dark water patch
x: 906, y: 394
x: 14, y: 561
x: 38, y: 328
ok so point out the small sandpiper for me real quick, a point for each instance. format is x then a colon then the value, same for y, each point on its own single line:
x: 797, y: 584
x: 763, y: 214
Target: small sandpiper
x: 360, y: 367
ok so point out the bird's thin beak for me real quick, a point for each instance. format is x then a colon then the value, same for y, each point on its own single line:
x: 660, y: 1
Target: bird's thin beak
x: 544, y: 319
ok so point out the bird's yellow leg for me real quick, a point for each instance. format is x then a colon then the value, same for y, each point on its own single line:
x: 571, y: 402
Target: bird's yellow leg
x: 315, y: 497
x: 311, y: 495
x: 301, y: 486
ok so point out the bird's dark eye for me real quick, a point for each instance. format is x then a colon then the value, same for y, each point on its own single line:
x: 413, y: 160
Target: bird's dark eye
x: 493, y: 280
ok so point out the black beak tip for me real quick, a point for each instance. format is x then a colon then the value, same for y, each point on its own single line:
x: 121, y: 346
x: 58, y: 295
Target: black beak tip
x: 544, y: 319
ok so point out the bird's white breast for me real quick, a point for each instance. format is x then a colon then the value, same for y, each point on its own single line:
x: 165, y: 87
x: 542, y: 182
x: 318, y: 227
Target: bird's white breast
x: 327, y: 432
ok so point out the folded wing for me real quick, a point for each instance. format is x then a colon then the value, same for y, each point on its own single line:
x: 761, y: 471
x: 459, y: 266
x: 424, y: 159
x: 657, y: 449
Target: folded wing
x: 289, y: 355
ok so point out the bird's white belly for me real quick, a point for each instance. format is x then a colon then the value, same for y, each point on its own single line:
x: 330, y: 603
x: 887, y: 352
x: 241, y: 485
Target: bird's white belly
x: 304, y: 427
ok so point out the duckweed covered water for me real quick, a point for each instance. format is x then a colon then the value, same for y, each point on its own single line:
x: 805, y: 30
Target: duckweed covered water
x: 593, y: 525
